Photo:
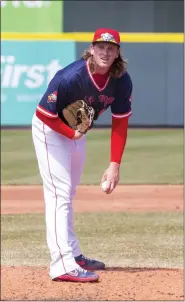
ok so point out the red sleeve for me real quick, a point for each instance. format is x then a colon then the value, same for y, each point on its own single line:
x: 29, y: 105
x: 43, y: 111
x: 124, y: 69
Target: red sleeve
x: 118, y: 138
x: 56, y: 124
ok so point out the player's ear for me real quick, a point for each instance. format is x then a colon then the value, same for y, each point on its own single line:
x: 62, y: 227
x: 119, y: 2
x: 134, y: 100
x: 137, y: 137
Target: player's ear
x: 91, y: 50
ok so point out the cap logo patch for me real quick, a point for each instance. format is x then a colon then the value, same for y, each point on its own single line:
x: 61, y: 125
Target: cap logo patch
x: 107, y: 37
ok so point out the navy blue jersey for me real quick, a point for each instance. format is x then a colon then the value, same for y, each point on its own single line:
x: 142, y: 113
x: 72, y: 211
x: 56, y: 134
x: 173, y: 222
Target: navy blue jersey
x: 75, y: 82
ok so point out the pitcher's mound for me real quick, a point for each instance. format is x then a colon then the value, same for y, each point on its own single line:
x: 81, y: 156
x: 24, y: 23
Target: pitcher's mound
x: 33, y: 283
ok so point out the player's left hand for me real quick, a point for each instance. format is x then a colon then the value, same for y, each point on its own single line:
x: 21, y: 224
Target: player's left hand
x: 111, y: 175
x: 79, y: 116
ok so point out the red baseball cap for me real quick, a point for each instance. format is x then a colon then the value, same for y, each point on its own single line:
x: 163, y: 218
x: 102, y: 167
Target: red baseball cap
x: 107, y: 35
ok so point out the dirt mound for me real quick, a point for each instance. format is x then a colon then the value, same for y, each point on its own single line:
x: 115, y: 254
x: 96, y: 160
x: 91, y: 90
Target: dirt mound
x: 33, y: 283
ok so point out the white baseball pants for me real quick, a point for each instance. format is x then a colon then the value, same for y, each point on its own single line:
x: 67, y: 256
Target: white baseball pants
x: 60, y: 162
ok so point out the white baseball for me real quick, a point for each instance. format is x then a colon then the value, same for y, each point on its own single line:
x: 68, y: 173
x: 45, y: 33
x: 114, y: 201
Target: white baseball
x: 104, y: 185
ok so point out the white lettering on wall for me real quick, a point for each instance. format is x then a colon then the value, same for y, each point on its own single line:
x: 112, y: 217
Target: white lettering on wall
x: 32, y: 76
x: 28, y: 4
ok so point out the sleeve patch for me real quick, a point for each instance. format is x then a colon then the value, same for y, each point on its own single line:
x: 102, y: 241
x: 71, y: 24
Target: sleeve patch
x: 52, y: 98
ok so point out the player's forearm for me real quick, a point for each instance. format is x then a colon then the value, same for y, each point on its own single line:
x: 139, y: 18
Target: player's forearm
x: 118, y: 139
x: 57, y: 125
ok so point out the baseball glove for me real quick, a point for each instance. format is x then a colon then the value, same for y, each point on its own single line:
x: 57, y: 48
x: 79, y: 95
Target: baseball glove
x: 79, y: 116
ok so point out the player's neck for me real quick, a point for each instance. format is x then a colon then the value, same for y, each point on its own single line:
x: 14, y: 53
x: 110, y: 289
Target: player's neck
x: 100, y: 70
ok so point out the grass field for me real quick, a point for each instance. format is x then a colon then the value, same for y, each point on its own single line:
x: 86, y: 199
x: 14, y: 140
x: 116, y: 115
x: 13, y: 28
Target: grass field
x: 151, y: 156
x: 120, y: 239
x: 134, y: 240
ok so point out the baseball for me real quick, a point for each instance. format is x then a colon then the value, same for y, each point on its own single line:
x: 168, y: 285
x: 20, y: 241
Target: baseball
x: 104, y: 185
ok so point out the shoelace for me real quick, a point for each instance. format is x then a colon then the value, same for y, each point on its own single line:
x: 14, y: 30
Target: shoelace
x: 81, y: 269
x: 86, y: 258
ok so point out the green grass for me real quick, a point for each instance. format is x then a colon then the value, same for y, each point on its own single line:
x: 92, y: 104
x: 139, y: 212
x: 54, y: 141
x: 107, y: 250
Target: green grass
x: 119, y: 239
x: 151, y: 156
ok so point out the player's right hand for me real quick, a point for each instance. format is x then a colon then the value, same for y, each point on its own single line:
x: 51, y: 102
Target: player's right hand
x: 111, y: 175
x: 77, y: 135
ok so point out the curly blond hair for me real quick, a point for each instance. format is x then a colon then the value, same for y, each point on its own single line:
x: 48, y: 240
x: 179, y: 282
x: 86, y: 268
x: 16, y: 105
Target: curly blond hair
x: 118, y: 68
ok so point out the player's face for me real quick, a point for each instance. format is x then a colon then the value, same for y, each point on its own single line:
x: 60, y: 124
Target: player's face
x: 104, y: 54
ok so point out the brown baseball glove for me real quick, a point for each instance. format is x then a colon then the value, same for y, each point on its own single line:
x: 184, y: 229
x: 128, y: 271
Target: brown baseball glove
x: 79, y: 116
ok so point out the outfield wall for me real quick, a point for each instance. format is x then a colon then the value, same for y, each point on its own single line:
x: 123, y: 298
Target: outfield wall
x: 28, y: 62
x: 156, y: 70
x: 125, y: 16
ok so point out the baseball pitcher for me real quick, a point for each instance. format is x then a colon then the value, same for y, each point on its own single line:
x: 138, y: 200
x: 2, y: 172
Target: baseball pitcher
x: 76, y: 96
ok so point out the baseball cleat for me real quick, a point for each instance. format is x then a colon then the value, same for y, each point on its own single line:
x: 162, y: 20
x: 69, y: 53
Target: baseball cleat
x: 89, y: 264
x: 78, y: 275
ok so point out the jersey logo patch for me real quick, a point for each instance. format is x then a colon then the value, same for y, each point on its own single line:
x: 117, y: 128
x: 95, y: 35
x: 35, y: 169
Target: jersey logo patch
x: 52, y: 98
x: 104, y: 99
